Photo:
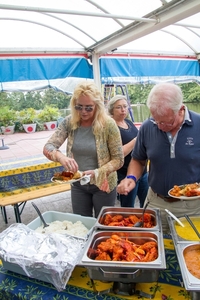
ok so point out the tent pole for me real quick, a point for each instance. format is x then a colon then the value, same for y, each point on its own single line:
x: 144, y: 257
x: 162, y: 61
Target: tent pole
x: 96, y: 70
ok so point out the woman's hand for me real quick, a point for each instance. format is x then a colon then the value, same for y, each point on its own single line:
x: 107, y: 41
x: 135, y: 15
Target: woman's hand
x: 89, y: 172
x: 69, y: 164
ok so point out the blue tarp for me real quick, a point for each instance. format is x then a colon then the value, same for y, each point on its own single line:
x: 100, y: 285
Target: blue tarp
x: 23, y: 69
x: 129, y: 67
x: 31, y: 72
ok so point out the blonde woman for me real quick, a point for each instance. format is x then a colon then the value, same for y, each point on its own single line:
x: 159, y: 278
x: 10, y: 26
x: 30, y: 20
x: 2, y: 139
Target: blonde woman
x: 93, y: 147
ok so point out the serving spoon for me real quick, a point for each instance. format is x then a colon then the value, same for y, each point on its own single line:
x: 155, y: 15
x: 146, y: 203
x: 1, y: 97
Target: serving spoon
x: 40, y: 215
x: 174, y: 217
x: 141, y: 223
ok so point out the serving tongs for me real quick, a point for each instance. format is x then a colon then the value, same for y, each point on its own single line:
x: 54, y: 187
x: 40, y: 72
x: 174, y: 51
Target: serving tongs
x: 141, y: 223
x: 192, y: 225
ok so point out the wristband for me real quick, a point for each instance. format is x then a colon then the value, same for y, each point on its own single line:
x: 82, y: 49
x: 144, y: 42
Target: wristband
x: 132, y: 177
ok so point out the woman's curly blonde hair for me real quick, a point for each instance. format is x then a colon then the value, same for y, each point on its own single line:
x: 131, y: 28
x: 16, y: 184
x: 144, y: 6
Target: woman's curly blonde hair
x: 89, y: 89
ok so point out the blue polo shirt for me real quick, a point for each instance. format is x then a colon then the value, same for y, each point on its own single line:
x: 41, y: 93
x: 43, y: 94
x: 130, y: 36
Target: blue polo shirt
x: 172, y: 161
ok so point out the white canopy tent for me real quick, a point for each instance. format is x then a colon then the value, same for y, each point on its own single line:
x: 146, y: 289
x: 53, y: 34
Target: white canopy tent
x: 57, y: 43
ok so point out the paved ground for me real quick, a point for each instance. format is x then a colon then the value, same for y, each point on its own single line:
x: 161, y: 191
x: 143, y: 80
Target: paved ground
x: 24, y: 146
x: 26, y: 149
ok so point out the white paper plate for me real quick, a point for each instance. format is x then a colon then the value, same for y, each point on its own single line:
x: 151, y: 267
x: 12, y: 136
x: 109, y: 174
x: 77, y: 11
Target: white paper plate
x: 54, y: 179
x: 182, y: 197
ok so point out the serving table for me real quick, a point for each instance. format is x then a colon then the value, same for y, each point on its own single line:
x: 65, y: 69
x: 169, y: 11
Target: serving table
x: 168, y: 286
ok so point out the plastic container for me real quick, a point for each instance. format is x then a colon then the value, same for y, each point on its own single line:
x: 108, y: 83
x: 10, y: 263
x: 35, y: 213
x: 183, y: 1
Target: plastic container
x: 49, y: 217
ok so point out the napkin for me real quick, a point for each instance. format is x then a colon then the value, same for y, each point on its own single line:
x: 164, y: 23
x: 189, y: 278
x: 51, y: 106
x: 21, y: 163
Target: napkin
x: 85, y: 179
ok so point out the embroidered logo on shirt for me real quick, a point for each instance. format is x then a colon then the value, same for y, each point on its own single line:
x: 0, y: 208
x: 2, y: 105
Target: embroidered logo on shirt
x: 189, y: 141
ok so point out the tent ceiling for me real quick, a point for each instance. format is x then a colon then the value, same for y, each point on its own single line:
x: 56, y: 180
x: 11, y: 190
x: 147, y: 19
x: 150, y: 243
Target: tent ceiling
x: 101, y: 26
x: 49, y: 43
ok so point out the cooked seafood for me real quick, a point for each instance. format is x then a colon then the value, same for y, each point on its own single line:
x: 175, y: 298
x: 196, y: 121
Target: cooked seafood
x: 188, y: 190
x: 66, y: 175
x: 129, y: 221
x: 119, y: 249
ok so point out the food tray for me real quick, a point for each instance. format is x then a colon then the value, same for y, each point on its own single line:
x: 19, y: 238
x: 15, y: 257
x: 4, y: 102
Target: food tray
x: 186, y: 233
x: 126, y: 212
x: 191, y: 283
x: 138, y: 237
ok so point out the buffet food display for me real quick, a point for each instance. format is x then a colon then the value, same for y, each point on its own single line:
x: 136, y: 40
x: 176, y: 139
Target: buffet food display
x: 187, y: 247
x: 112, y: 249
x: 119, y: 252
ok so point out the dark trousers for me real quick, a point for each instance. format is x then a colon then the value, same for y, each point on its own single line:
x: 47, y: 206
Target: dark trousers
x: 88, y: 199
x: 140, y: 190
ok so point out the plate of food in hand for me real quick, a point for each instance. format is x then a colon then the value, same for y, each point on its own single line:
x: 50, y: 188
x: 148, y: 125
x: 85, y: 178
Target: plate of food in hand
x: 67, y: 177
x: 189, y: 191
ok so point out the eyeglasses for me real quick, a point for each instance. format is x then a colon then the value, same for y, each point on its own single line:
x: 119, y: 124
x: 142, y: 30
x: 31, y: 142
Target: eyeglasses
x: 165, y: 124
x: 87, y: 108
x: 121, y: 107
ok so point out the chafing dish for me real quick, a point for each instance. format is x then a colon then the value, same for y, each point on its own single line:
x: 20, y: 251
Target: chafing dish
x: 126, y: 212
x: 182, y: 245
x: 125, y: 275
x: 119, y: 270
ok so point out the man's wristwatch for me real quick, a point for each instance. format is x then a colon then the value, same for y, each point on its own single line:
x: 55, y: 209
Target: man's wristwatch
x: 132, y: 177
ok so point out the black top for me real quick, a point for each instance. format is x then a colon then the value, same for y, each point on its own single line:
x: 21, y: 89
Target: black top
x: 127, y: 135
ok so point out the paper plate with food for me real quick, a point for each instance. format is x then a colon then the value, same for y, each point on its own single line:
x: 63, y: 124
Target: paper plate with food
x: 189, y: 191
x: 67, y: 177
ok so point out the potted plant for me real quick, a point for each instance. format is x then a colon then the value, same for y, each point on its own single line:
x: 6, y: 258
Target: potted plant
x: 28, y: 117
x: 49, y: 116
x: 7, y: 120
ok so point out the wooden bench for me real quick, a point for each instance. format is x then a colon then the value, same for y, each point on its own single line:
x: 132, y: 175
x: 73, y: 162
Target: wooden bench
x: 19, y: 185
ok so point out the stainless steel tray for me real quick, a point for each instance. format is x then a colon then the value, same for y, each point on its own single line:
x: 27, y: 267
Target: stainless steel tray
x: 137, y: 237
x: 191, y: 283
x: 179, y: 233
x: 126, y: 212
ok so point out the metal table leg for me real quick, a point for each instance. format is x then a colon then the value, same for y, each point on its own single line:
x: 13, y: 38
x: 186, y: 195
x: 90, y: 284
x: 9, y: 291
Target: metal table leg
x: 3, y: 212
x: 17, y: 213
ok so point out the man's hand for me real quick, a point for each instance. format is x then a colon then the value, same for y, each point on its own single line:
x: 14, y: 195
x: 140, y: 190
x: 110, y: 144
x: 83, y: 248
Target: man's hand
x: 125, y: 186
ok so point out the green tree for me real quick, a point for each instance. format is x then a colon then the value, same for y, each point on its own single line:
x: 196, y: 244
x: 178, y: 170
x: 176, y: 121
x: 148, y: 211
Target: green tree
x: 138, y: 93
x: 58, y: 99
x: 34, y: 99
x: 6, y: 99
x: 191, y: 92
